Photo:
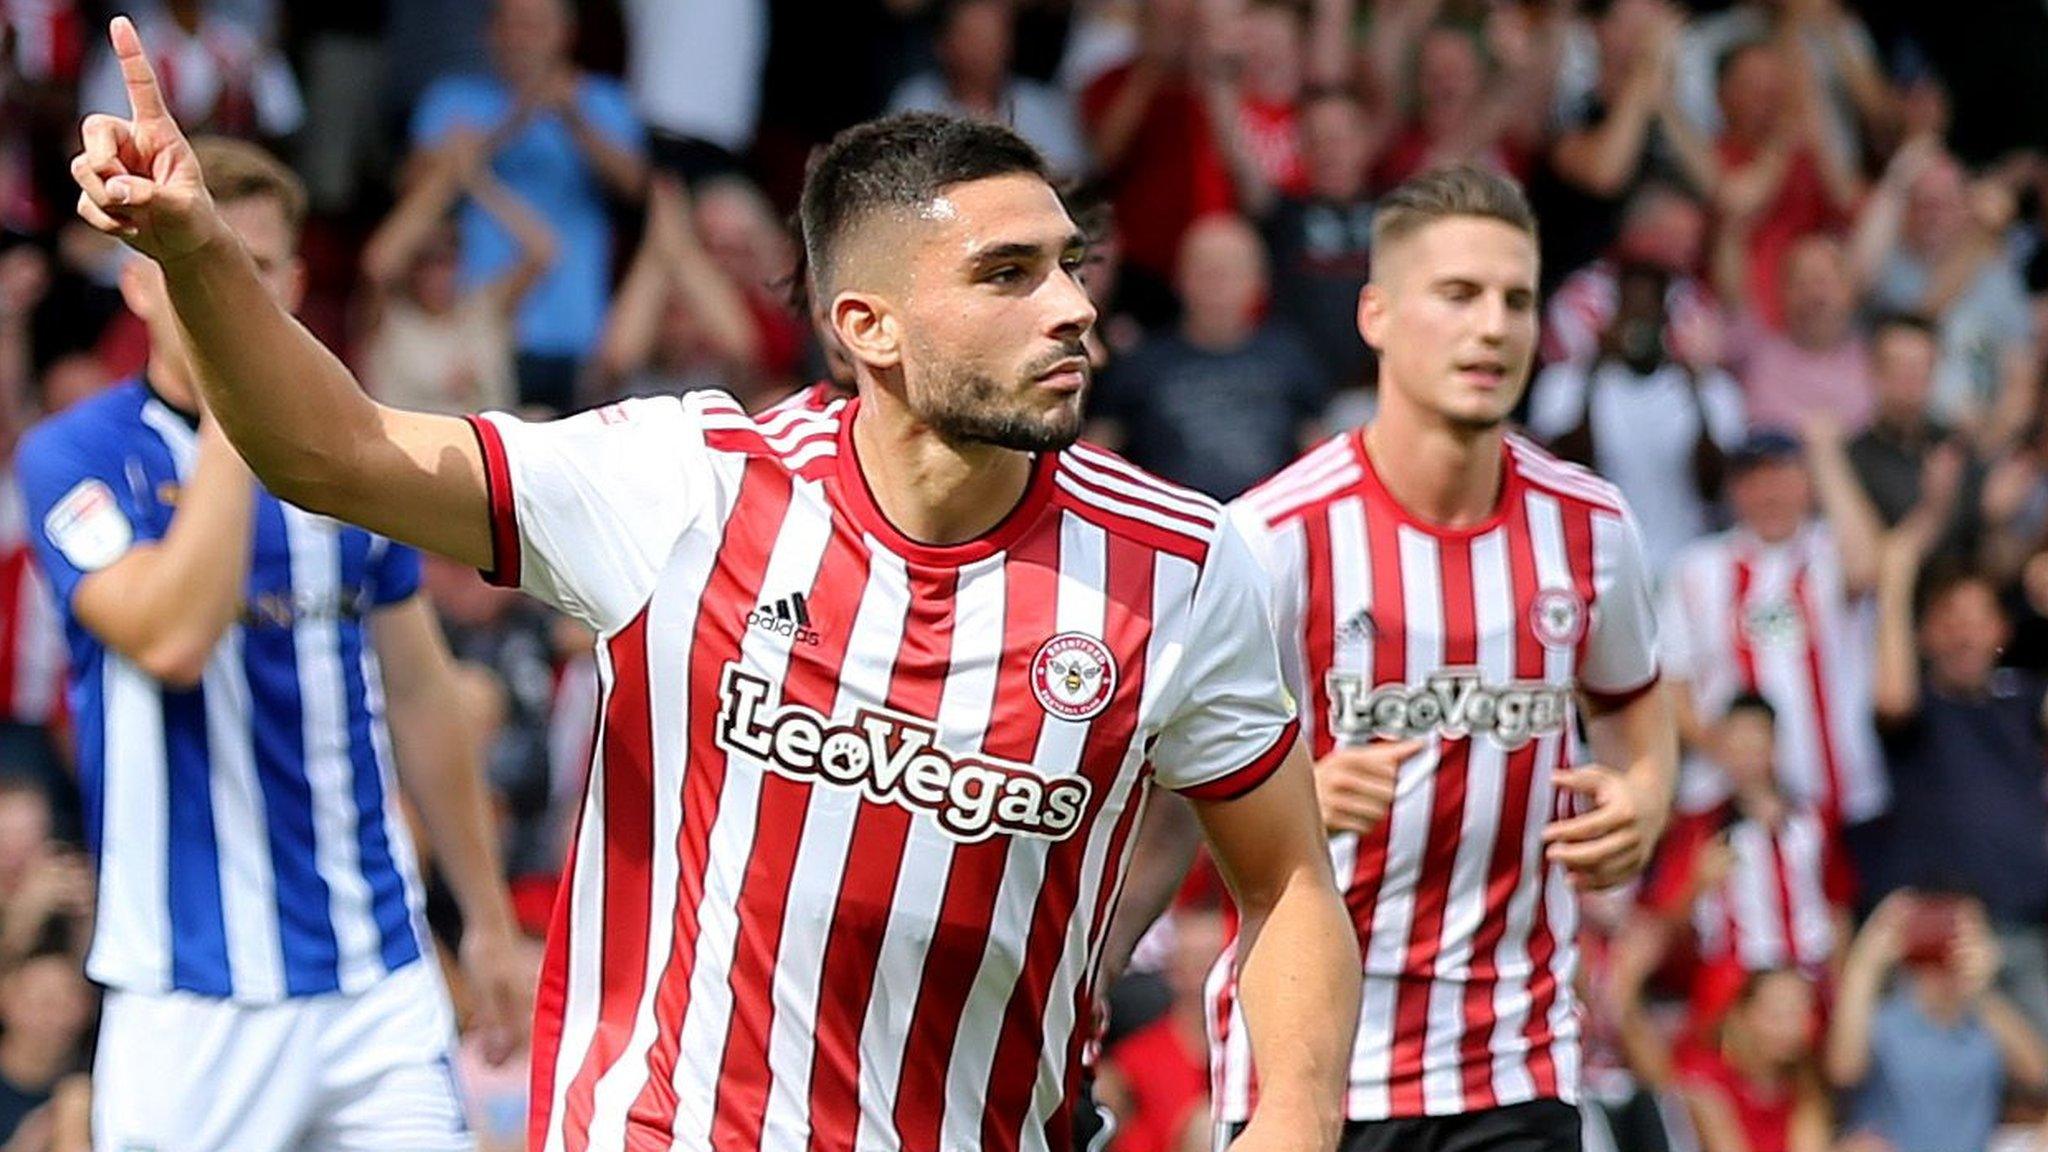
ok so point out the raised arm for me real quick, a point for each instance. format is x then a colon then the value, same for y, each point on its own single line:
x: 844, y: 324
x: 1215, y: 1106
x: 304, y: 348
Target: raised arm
x: 1849, y: 513
x: 296, y: 415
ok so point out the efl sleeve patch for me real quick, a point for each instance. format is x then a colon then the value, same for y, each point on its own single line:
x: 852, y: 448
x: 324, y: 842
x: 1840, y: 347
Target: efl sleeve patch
x: 88, y: 526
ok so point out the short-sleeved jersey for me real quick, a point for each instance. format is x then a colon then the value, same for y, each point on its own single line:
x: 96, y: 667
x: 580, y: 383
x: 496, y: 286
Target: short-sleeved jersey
x: 860, y: 805
x: 247, y: 830
x: 1476, y: 640
x: 31, y: 634
x: 1739, y: 615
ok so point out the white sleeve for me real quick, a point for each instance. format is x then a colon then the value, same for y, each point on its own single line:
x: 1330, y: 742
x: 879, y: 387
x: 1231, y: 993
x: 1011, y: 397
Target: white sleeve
x: 585, y: 510
x: 1621, y: 652
x: 1677, y: 648
x: 1229, y: 721
x: 1727, y: 414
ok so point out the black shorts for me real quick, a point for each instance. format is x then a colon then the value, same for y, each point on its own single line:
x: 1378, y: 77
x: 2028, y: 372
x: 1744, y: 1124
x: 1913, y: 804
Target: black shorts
x: 1538, y: 1126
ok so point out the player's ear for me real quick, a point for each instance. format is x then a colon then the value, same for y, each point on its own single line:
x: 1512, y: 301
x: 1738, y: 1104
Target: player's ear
x: 868, y: 329
x: 1372, y: 314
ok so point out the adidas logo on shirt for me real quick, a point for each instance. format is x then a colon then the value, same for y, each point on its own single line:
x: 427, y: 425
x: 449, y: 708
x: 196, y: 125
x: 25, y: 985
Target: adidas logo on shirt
x: 790, y: 616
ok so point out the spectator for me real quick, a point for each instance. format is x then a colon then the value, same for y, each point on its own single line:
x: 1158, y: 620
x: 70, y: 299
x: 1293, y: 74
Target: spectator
x: 1322, y: 241
x: 431, y: 345
x: 1758, y: 883
x: 756, y: 252
x: 1655, y: 426
x: 1623, y: 134
x: 1815, y: 363
x: 1266, y: 60
x: 1777, y: 605
x: 1780, y: 180
x: 695, y: 74
x: 1857, y: 98
x: 561, y: 140
x: 1224, y: 400
x: 219, y: 74
x: 678, y: 323
x: 1920, y: 247
x: 1890, y: 455
x: 46, y: 887
x: 1759, y: 1088
x: 1661, y: 228
x: 1931, y: 1059
x: 46, y: 1012
x: 1964, y: 743
x: 975, y: 43
x: 1461, y: 113
x: 1148, y: 125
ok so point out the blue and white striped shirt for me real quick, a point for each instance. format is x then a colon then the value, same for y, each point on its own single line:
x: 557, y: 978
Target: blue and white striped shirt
x: 247, y: 830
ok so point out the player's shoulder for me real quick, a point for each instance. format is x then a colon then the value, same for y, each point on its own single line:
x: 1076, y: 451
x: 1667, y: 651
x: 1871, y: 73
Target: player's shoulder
x: 106, y: 419
x: 1568, y: 483
x: 1325, y: 473
x: 1126, y: 501
x: 800, y: 439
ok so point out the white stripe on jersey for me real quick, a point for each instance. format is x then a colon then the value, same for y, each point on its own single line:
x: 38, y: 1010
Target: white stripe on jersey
x: 248, y: 884
x: 134, y: 907
x: 316, y: 576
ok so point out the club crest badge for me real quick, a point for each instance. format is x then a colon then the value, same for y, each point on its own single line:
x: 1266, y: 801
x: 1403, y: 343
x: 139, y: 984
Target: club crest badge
x: 1558, y: 617
x: 1073, y: 676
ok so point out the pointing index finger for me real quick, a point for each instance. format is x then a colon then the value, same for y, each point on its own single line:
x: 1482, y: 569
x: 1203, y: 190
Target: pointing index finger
x: 145, y: 99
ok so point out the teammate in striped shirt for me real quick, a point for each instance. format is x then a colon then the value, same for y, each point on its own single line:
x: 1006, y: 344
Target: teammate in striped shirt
x: 1447, y: 596
x: 234, y: 662
x: 845, y: 889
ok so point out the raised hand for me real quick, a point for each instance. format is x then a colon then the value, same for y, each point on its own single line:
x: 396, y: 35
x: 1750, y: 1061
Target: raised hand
x: 138, y: 178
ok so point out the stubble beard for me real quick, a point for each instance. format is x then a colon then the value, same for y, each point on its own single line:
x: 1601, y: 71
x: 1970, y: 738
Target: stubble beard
x: 975, y: 409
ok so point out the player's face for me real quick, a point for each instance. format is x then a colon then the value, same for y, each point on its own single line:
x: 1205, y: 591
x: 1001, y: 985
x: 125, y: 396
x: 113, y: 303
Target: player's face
x: 994, y: 317
x: 1452, y: 313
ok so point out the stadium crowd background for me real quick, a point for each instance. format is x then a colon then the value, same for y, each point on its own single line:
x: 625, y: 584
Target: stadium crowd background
x: 1795, y: 262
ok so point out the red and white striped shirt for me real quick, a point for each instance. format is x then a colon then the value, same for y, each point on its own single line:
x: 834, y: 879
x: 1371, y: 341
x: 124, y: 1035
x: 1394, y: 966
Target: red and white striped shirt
x: 1775, y: 907
x: 1740, y: 615
x: 32, y: 656
x: 1476, y: 639
x: 860, y: 805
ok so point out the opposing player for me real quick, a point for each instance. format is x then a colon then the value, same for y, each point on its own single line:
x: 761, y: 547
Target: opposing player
x: 885, y: 688
x: 1446, y: 595
x: 234, y: 663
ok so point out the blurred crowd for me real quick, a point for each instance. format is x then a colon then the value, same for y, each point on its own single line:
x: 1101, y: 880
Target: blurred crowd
x: 1806, y: 338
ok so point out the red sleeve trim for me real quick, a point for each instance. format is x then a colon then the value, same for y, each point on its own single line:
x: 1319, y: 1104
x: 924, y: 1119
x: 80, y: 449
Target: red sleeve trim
x: 504, y: 569
x: 1231, y: 785
x: 1616, y: 701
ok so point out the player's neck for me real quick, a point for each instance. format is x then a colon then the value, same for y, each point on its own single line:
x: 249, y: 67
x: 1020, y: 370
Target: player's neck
x: 1446, y: 476
x: 932, y: 491
x: 172, y: 382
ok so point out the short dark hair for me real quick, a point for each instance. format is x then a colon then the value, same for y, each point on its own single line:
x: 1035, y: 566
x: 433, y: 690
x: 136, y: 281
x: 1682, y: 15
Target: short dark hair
x: 900, y: 162
x: 1751, y: 702
x: 1446, y: 193
x: 1905, y: 321
x: 1943, y: 578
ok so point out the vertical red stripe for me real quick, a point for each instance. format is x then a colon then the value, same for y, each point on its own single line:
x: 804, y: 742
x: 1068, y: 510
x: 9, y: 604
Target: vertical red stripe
x: 551, y: 996
x: 1440, y: 849
x: 1030, y: 589
x: 1318, y: 626
x: 1781, y: 878
x: 14, y: 571
x: 1738, y: 623
x: 628, y: 766
x: 1817, y: 682
x: 1127, y: 625
x: 1504, y: 871
x: 720, y: 625
x: 1389, y: 666
x: 812, y: 680
x: 1114, y: 865
x: 861, y: 915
